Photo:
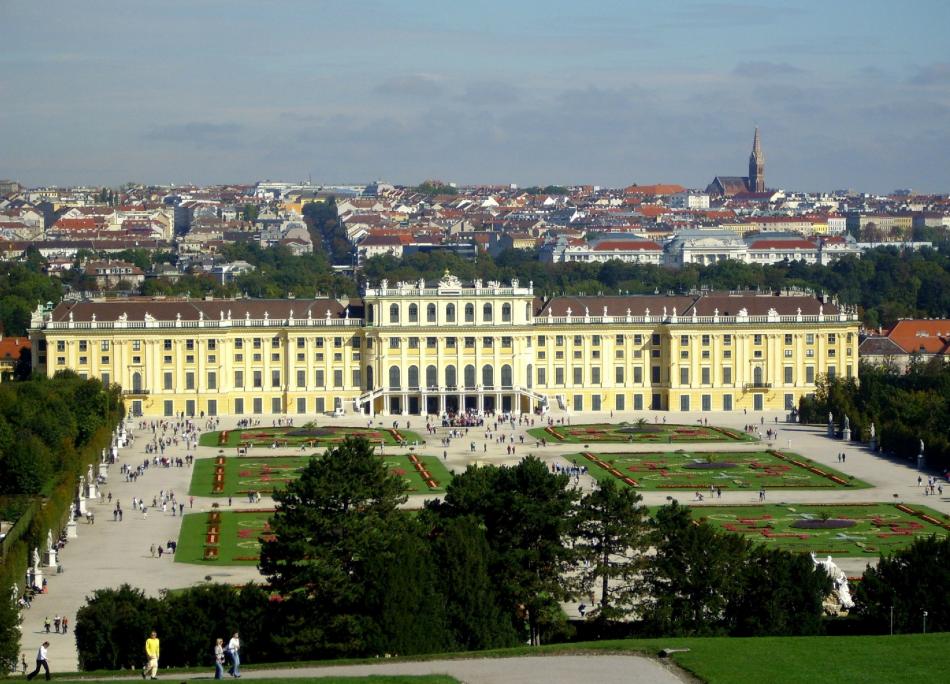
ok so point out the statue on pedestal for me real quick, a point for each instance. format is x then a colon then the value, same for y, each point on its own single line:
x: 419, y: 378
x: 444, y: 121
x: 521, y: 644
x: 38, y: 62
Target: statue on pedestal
x: 36, y: 558
x: 89, y: 476
x: 921, y: 447
x: 49, y: 540
x: 873, y: 433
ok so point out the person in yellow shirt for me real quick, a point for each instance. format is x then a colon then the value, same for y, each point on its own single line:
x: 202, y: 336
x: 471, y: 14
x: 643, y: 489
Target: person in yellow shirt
x: 151, y: 651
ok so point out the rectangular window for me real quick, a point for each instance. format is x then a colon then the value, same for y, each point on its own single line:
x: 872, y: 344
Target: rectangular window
x: 166, y: 381
x: 318, y: 378
x: 809, y: 338
x: 104, y: 345
x: 810, y: 375
x: 637, y: 402
x: 637, y: 375
x: 542, y: 376
x: 258, y: 405
x: 541, y: 340
x: 831, y: 372
x: 275, y: 378
x: 756, y: 339
x: 357, y: 378
x: 618, y: 402
x: 559, y: 375
x: 413, y: 342
x: 595, y: 376
x: 320, y: 405
x: 301, y: 342
x: 450, y: 343
x: 788, y: 339
x: 61, y: 346
x: 239, y: 407
x: 655, y: 340
x: 655, y: 375
x: 394, y: 343
x: 727, y: 340
x: 167, y: 345
x: 189, y: 380
x: 275, y: 405
x: 337, y: 342
x: 638, y: 339
x: 239, y: 344
x: 190, y: 345
x: 318, y: 343
x: 788, y: 375
x: 431, y: 342
x: 578, y: 340
x: 301, y: 405
x: 105, y: 379
x: 618, y: 375
x: 239, y: 379
x: 258, y: 379
x: 684, y: 402
x: 169, y: 408
x: 595, y: 402
x: 705, y: 376
x: 705, y: 340
x: 356, y: 343
x: 559, y: 341
x: 618, y: 340
x: 788, y: 353
x: 212, y: 407
x: 727, y: 375
x: 301, y: 377
x: 706, y: 402
x: 789, y: 402
x: 832, y: 338
x: 212, y: 380
x: 684, y: 340
x: 469, y: 342
x: 338, y: 379
x: 506, y: 343
x: 726, y: 402
x: 578, y: 376
x: 578, y: 402
x: 684, y: 376
x: 136, y: 345
x: 595, y: 340
x: 212, y: 345
x: 257, y: 343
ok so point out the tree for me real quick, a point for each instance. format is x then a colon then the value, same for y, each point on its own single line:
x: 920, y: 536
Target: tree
x: 329, y: 525
x: 112, y: 626
x: 905, y: 584
x: 525, y: 511
x: 694, y: 575
x: 611, y: 539
x: 9, y: 633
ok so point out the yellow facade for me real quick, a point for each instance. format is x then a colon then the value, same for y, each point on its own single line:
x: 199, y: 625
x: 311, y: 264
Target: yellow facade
x: 417, y: 348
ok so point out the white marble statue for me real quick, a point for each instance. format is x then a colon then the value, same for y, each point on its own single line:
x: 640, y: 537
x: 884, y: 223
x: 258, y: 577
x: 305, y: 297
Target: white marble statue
x: 49, y: 540
x: 873, y: 433
x: 921, y: 446
x: 89, y: 476
x: 36, y: 557
x: 847, y: 423
x: 841, y: 590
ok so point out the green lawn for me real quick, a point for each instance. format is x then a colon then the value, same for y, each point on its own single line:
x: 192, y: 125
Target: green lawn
x: 237, y: 542
x: 370, y: 679
x: 638, y: 433
x: 684, y: 469
x: 305, y: 437
x: 851, y: 530
x: 264, y: 474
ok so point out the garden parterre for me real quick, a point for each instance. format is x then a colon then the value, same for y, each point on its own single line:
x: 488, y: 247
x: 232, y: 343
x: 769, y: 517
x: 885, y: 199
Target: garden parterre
x: 728, y: 470
x: 639, y: 433
x: 305, y: 436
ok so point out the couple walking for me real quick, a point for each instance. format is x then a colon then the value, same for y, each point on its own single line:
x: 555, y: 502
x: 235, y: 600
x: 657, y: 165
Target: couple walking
x: 233, y: 651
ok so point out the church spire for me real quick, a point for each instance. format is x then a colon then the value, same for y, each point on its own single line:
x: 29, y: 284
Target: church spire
x: 756, y: 165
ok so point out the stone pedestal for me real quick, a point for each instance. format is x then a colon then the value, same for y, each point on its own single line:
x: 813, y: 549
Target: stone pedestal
x: 51, y: 561
x: 92, y: 491
x: 37, y: 579
x: 104, y: 471
x: 846, y: 434
x: 831, y: 430
x: 921, y: 462
x: 71, y: 531
x: 82, y: 505
x: 874, y: 444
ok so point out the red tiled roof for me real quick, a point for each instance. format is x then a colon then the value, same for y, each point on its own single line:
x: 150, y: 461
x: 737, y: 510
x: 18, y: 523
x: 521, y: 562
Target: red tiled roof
x: 782, y: 244
x: 626, y: 245
x: 10, y: 347
x: 926, y: 336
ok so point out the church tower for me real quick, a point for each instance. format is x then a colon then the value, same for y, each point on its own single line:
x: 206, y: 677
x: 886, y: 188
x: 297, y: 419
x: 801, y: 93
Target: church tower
x: 756, y: 165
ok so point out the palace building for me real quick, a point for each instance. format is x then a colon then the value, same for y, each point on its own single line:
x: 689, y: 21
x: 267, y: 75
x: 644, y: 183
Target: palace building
x: 431, y: 348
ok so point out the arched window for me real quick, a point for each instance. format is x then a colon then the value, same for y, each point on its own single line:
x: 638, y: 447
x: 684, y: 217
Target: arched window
x: 394, y: 383
x: 527, y: 312
x: 413, y: 313
x: 432, y: 376
x: 506, y: 313
x: 450, y: 379
x: 506, y: 376
x: 430, y: 313
x: 372, y: 310
x: 488, y: 376
x: 136, y: 382
x: 469, y: 313
x: 413, y: 377
x: 486, y: 313
x: 757, y: 375
x: 450, y: 313
x: 469, y: 377
x: 393, y: 313
x: 530, y: 376
x: 369, y: 378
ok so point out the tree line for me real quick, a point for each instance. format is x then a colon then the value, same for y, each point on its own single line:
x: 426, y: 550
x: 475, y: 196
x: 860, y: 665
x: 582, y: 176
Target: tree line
x: 904, y: 407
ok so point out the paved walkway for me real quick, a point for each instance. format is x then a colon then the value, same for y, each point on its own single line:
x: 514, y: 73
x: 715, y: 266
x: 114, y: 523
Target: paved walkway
x: 109, y: 553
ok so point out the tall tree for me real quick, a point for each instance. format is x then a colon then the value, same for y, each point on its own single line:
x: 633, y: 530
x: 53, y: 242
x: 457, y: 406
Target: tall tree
x: 9, y: 632
x: 329, y: 525
x: 525, y: 510
x: 611, y: 538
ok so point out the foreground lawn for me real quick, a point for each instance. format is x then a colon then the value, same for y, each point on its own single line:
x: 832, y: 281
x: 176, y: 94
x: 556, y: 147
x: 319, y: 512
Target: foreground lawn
x: 372, y: 679
x: 838, y: 530
x: 683, y: 469
x: 639, y: 433
x: 304, y: 437
x: 241, y: 475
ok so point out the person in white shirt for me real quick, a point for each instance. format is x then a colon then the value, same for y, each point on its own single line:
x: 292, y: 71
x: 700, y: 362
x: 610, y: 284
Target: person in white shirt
x: 41, y: 662
x: 234, y: 648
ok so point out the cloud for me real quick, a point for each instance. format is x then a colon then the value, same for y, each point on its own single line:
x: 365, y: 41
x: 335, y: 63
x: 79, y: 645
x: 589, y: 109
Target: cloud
x: 766, y: 70
x: 937, y: 73
x: 197, y: 133
x: 413, y: 85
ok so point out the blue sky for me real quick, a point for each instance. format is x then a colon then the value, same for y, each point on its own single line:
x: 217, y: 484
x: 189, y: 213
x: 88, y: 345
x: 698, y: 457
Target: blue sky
x: 847, y: 94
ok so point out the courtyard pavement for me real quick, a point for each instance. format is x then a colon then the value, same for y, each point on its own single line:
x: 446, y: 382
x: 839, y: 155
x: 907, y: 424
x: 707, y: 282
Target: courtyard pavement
x: 108, y: 553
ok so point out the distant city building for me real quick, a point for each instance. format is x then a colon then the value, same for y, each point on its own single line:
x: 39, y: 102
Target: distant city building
x: 909, y: 338
x: 728, y: 186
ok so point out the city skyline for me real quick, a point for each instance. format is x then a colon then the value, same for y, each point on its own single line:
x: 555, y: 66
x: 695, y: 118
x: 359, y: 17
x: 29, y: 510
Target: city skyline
x: 851, y: 95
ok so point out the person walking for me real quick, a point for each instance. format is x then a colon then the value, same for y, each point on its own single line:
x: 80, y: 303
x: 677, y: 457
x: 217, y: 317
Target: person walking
x: 152, y: 647
x: 41, y: 662
x: 219, y: 658
x: 234, y: 649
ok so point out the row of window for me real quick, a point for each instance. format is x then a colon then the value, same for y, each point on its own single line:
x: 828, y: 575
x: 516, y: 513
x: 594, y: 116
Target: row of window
x: 412, y: 313
x: 450, y: 376
x: 450, y: 342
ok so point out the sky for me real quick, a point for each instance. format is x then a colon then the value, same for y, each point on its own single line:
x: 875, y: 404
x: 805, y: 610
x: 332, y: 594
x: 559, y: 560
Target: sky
x: 847, y: 93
